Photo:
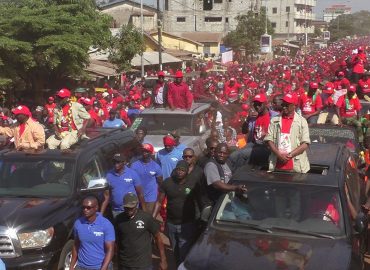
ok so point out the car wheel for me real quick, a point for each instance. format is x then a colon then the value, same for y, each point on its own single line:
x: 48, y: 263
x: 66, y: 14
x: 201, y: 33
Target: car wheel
x: 66, y: 256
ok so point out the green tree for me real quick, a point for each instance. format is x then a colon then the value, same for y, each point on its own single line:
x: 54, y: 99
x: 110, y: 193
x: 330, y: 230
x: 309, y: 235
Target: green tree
x: 42, y: 42
x: 248, y: 32
x: 350, y: 24
x: 128, y: 43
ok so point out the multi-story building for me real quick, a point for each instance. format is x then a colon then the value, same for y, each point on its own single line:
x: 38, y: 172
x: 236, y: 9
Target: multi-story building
x: 334, y: 11
x: 217, y: 16
x: 291, y: 19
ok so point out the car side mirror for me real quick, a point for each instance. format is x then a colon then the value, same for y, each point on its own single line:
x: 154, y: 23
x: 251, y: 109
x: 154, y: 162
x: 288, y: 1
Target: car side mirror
x: 361, y: 223
x: 99, y: 184
x: 206, y: 213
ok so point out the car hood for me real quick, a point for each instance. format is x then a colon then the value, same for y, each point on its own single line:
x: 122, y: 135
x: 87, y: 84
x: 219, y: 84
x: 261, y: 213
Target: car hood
x: 219, y: 250
x: 157, y: 141
x: 33, y: 213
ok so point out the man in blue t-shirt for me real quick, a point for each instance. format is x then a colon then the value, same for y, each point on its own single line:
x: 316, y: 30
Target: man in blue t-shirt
x: 150, y: 174
x: 168, y: 157
x: 121, y: 180
x: 94, y: 239
x: 113, y: 121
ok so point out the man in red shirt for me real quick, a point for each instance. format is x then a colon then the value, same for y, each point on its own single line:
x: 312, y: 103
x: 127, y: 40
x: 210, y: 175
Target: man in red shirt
x: 95, y: 121
x: 160, y: 91
x: 256, y: 150
x: 364, y: 84
x: 232, y: 90
x: 348, y: 109
x: 359, y: 61
x: 179, y: 95
x: 50, y: 106
x: 199, y: 87
x: 311, y: 104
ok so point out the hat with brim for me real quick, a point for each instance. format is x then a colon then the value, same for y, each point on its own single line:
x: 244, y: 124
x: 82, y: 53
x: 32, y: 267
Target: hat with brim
x: 64, y: 93
x: 290, y: 98
x: 21, y: 109
x: 182, y: 165
x: 119, y: 157
x: 130, y: 200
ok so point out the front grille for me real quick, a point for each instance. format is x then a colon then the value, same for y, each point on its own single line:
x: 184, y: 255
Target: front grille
x: 6, y: 247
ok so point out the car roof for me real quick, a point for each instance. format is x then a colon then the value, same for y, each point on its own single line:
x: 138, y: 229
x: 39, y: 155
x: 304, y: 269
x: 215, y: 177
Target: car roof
x: 195, y: 108
x: 329, y: 157
x: 97, y: 136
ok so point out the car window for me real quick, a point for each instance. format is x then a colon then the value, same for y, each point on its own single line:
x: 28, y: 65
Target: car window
x: 91, y: 171
x: 352, y: 181
x: 199, y: 124
x: 36, y: 177
x: 315, y: 209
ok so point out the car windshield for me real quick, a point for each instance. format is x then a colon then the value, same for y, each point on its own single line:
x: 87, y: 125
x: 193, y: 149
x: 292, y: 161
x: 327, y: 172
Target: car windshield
x: 334, y: 135
x: 160, y: 124
x: 305, y: 209
x: 36, y: 178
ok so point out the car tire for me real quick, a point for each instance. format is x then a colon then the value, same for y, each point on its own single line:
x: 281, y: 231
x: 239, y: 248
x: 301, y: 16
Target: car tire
x: 65, y: 256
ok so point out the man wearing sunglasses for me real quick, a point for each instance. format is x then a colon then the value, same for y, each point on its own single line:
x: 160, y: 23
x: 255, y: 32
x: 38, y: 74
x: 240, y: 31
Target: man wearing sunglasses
x: 288, y: 138
x: 94, y: 239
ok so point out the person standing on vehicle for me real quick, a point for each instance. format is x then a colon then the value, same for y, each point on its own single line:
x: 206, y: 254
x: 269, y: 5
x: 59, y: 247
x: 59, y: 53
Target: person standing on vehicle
x: 218, y: 174
x: 311, y: 103
x: 181, y: 192
x: 150, y: 174
x: 94, y: 239
x: 70, y: 121
x: 122, y: 180
x: 28, y: 134
x: 288, y: 138
x: 349, y: 108
x: 160, y: 92
x: 135, y: 229
x: 179, y: 95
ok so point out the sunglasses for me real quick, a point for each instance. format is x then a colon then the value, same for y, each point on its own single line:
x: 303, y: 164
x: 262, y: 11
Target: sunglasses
x: 187, y: 156
x: 87, y: 207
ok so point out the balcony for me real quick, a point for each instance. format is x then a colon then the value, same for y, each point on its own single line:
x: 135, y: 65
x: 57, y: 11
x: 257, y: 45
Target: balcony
x: 311, y: 3
x: 304, y: 16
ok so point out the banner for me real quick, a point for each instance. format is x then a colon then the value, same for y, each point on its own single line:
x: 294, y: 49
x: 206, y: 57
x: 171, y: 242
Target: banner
x: 226, y: 57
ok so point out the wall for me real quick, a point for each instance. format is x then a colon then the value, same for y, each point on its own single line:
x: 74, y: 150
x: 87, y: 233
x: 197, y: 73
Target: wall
x: 171, y: 42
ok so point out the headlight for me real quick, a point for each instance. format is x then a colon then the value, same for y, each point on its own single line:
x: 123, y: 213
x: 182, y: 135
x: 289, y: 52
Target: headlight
x: 36, y: 239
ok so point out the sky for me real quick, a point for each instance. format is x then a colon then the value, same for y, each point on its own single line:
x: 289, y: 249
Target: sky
x: 356, y: 5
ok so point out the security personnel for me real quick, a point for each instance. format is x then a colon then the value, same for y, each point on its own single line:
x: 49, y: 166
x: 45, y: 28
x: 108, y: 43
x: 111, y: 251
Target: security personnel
x: 94, y: 239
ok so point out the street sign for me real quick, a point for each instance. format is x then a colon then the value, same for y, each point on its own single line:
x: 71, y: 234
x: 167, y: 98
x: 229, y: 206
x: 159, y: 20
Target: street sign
x: 326, y: 35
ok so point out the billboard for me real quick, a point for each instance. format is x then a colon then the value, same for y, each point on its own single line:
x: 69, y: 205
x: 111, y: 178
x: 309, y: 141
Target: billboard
x: 326, y: 35
x: 266, y: 43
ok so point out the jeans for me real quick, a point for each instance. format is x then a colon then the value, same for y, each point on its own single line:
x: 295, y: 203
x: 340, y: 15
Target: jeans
x: 182, y: 237
x: 136, y: 268
x: 110, y: 267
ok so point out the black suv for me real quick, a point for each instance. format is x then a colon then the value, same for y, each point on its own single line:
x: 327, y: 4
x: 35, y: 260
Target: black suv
x: 289, y: 220
x: 40, y: 196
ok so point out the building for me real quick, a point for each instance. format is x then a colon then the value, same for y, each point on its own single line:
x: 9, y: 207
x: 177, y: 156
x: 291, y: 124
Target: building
x: 177, y: 43
x: 127, y: 11
x: 334, y: 11
x: 217, y: 16
x: 291, y: 19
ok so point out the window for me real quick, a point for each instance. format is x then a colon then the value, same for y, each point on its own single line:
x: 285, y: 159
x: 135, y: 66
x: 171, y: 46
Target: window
x: 166, y: 4
x: 180, y: 19
x: 226, y: 20
x: 217, y: 1
x: 274, y: 10
x: 273, y: 24
x: 207, y: 4
x: 92, y: 171
x: 286, y: 24
x: 287, y: 9
x: 213, y: 19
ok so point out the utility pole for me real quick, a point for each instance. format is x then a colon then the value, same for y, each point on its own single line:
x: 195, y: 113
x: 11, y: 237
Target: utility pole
x: 159, y: 25
x: 142, y: 35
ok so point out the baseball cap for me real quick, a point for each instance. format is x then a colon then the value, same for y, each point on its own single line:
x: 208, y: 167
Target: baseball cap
x: 105, y: 94
x: 119, y: 157
x: 148, y: 147
x: 87, y: 101
x: 51, y: 98
x: 232, y: 79
x: 290, y: 98
x: 340, y: 73
x: 178, y: 74
x: 161, y: 73
x: 352, y: 88
x: 260, y: 98
x: 182, y: 164
x: 64, y: 93
x: 21, y: 109
x: 130, y: 200
x: 314, y: 85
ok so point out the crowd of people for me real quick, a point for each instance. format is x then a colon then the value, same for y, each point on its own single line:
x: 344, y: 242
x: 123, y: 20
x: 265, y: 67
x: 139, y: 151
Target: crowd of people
x: 259, y: 114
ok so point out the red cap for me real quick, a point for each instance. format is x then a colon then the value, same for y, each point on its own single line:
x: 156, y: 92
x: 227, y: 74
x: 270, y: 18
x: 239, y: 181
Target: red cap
x: 343, y: 64
x: 136, y: 97
x: 360, y: 49
x: 161, y: 73
x: 51, y: 98
x: 178, y: 74
x: 352, y: 88
x: 260, y: 98
x: 148, y: 147
x: 340, y: 73
x: 314, y: 85
x: 87, y: 101
x: 243, y: 114
x: 232, y: 79
x: 245, y: 107
x: 169, y: 141
x: 290, y: 98
x: 21, y: 109
x: 64, y: 93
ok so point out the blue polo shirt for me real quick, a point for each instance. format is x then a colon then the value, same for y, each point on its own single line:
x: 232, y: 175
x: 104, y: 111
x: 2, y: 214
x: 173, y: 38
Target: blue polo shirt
x: 148, y: 173
x: 116, y: 123
x: 92, y: 238
x: 168, y: 161
x: 121, y: 184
